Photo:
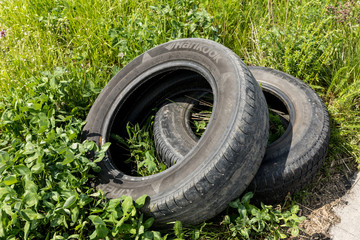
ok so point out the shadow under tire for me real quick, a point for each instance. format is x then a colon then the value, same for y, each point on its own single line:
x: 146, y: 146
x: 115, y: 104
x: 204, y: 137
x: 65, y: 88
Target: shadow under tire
x: 290, y: 162
x: 223, y: 162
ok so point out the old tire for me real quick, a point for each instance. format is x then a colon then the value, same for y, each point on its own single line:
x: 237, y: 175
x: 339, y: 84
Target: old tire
x: 223, y: 162
x: 290, y: 162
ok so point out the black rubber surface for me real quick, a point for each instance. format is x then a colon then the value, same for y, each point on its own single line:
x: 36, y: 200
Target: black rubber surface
x: 226, y: 158
x: 290, y: 162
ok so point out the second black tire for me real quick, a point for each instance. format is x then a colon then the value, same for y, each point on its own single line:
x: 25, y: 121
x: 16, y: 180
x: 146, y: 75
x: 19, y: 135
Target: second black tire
x: 290, y: 162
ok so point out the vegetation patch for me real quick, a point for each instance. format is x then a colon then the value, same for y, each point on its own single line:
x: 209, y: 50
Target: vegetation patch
x: 276, y: 126
x: 264, y: 222
x: 56, y: 56
x: 141, y: 146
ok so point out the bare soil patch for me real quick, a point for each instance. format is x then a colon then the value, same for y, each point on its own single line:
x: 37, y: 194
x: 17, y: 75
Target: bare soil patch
x: 323, y: 194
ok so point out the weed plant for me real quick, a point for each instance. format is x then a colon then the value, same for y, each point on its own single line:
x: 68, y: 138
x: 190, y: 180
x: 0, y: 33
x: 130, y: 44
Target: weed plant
x: 276, y: 127
x: 265, y: 222
x: 56, y: 56
x: 140, y: 143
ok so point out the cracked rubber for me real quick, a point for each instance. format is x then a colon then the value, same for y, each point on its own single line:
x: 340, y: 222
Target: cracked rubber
x: 290, y: 162
x: 225, y: 160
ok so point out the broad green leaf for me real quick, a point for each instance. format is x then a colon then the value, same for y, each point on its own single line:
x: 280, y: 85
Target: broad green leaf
x: 295, y: 209
x: 74, y: 236
x: 4, y: 157
x: 84, y: 200
x: 96, y: 220
x: 148, y: 223
x: 101, y: 153
x: 235, y: 204
x: 4, y: 191
x: 141, y: 229
x: 242, y: 211
x: 121, y: 222
x: 29, y: 184
x: 148, y: 236
x: 17, y: 206
x: 30, y: 215
x: 157, y: 236
x: 282, y: 235
x: 88, y: 146
x: 22, y: 169
x: 3, y: 166
x: 74, y: 146
x: 10, y: 180
x: 69, y: 157
x: 255, y: 212
x: 64, y: 219
x: 30, y: 199
x: 196, y: 234
x: 53, y: 83
x: 70, y: 201
x: 178, y: 230
x: 34, y: 106
x: 246, y: 198
x: 47, y: 204
x: 8, y: 117
x: 244, y: 233
x: 93, y: 235
x: 127, y: 204
x: 55, y: 196
x: 30, y: 148
x: 140, y: 202
x: 100, y: 227
x: 133, y: 212
x: 3, y: 226
x: 105, y: 147
x: 38, y: 168
x: 51, y: 136
x: 226, y: 219
x: 43, y: 122
x: 75, y: 214
x: 26, y: 230
x: 113, y: 203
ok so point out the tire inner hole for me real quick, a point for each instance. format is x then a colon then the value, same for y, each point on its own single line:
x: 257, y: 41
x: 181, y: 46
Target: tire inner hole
x: 132, y: 149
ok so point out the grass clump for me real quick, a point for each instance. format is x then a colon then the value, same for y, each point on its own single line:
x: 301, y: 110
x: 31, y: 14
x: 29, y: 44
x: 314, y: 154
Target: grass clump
x: 141, y: 145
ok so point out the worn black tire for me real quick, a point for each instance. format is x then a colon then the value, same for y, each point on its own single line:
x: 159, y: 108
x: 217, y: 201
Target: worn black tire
x: 290, y: 162
x: 226, y: 158
x: 173, y: 135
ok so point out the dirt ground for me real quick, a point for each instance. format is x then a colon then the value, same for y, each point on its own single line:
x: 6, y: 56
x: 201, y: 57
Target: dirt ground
x: 324, y: 193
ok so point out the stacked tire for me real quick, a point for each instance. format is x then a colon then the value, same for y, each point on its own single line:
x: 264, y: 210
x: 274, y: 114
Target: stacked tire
x: 232, y: 156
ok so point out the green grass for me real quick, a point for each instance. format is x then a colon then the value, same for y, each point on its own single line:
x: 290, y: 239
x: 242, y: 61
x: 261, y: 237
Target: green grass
x: 58, y: 54
x: 309, y: 41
